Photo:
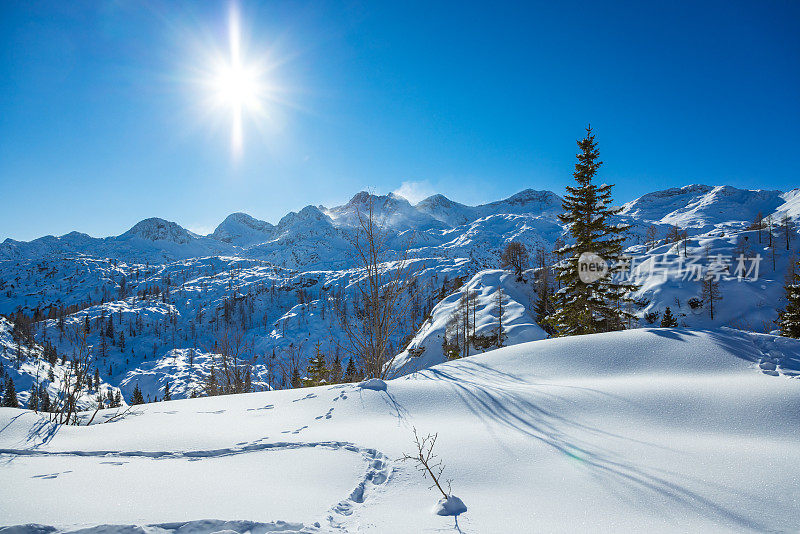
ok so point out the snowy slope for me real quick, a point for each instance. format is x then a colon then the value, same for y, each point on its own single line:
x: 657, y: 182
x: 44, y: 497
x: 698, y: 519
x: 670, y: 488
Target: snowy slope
x: 518, y: 324
x: 28, y: 367
x: 647, y: 430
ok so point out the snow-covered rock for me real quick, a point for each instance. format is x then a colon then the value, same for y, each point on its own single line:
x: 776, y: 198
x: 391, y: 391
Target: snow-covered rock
x: 374, y: 384
x: 451, y: 505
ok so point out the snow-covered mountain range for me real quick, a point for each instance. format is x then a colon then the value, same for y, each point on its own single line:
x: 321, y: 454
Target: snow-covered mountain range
x: 165, y: 289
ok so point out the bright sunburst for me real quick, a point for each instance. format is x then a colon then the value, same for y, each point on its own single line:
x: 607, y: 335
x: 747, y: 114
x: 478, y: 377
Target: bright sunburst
x: 237, y: 84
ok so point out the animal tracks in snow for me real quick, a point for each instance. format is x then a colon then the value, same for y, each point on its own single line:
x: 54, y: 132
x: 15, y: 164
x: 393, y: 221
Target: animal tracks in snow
x: 327, y: 415
x: 265, y: 407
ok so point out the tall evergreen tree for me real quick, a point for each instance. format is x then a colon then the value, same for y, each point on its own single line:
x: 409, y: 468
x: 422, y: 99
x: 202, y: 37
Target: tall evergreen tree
x: 586, y: 308
x: 10, y: 395
x: 789, y: 317
x: 167, y: 393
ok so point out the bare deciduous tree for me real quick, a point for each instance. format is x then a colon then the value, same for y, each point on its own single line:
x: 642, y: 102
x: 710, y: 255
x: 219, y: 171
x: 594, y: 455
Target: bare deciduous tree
x: 76, y: 376
x: 384, y: 293
x: 230, y: 362
x: 515, y: 255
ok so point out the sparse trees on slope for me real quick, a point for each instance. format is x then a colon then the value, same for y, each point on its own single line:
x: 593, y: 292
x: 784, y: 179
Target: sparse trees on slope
x: 585, y: 308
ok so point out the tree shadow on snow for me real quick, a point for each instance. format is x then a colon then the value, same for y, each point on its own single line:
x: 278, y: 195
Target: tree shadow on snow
x: 509, y: 409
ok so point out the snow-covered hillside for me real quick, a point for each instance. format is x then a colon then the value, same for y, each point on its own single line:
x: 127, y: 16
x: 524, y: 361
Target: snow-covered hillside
x: 487, y: 288
x: 168, y: 293
x: 650, y: 430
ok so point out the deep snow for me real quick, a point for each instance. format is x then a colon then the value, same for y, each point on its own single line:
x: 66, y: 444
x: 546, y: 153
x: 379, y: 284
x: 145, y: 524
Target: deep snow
x: 657, y: 430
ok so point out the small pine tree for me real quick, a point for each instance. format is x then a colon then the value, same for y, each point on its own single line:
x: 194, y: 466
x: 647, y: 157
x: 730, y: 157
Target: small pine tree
x: 44, y: 400
x: 316, y: 371
x: 137, y: 397
x: 296, y: 379
x: 336, y: 370
x: 350, y: 373
x: 10, y: 395
x: 167, y: 393
x: 789, y: 317
x: 668, y: 320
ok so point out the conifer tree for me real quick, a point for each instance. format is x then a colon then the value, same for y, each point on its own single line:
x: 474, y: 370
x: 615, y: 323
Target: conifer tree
x: 295, y: 378
x: 317, y: 372
x: 668, y: 320
x: 137, y: 397
x: 586, y: 308
x: 44, y: 399
x: 10, y: 395
x: 167, y: 393
x: 336, y: 370
x: 350, y: 373
x: 789, y: 317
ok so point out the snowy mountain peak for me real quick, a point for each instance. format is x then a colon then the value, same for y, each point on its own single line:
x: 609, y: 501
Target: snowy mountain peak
x: 156, y: 229
x: 532, y: 196
x: 243, y: 230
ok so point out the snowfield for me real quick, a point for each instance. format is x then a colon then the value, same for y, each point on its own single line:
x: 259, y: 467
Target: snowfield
x: 650, y: 430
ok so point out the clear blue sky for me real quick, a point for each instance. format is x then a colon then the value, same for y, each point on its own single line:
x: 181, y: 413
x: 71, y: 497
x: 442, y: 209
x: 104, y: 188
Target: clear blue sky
x: 103, y: 123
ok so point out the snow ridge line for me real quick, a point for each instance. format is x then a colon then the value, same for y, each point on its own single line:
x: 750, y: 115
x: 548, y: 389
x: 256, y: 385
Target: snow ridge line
x: 378, y: 471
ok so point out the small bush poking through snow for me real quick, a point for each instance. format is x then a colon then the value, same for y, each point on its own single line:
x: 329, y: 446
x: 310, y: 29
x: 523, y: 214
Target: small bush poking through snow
x: 428, y: 465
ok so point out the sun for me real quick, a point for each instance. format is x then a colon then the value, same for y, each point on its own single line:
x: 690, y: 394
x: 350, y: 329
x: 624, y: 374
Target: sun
x: 237, y: 85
